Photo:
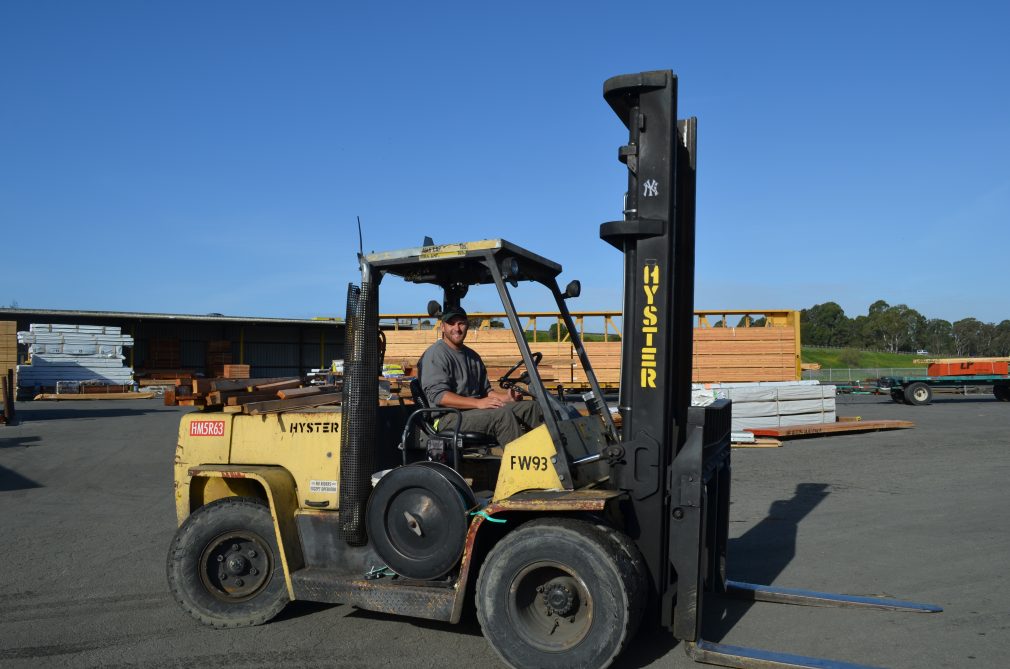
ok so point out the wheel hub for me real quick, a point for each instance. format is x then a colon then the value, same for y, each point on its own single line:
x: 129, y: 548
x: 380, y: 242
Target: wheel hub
x: 236, y: 566
x: 559, y: 599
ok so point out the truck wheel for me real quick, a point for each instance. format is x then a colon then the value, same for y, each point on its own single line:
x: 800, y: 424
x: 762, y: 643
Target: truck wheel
x: 223, y: 564
x: 918, y: 394
x: 559, y: 593
x: 898, y: 395
x: 1002, y: 392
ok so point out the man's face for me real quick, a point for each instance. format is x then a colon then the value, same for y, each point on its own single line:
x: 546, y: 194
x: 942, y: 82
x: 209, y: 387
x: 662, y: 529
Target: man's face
x: 454, y: 330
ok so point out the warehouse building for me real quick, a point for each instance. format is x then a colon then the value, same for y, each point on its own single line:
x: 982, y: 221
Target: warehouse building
x: 163, y: 342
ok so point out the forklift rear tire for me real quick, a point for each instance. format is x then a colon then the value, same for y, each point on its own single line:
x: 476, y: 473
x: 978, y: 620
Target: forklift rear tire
x: 224, y: 567
x: 918, y: 394
x: 559, y: 593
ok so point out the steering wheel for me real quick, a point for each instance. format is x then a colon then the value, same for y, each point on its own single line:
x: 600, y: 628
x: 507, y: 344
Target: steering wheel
x: 507, y: 382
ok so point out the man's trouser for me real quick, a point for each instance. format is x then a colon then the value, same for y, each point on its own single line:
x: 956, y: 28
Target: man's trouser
x: 505, y: 424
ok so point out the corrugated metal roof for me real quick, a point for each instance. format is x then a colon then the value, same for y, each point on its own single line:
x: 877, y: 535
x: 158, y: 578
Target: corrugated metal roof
x: 52, y: 315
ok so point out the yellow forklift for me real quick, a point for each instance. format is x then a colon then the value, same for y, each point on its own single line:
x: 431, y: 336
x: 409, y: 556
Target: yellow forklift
x: 566, y: 540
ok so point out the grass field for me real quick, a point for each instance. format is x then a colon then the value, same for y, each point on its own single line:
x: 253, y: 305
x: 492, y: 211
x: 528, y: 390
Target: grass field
x: 835, y: 358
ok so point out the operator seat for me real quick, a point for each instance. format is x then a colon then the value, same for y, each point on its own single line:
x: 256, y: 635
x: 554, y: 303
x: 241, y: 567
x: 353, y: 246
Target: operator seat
x: 467, y: 439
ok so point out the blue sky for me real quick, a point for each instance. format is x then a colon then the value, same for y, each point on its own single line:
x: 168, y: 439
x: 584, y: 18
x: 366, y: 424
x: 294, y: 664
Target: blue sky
x: 196, y: 157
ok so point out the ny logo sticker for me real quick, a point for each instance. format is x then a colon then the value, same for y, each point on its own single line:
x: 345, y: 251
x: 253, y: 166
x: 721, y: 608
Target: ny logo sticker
x: 651, y: 188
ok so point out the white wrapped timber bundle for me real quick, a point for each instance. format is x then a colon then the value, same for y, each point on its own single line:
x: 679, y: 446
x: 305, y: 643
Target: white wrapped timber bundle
x: 89, y: 353
x: 773, y: 404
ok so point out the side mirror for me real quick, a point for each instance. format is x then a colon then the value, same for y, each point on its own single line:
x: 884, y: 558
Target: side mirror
x: 573, y: 289
x: 434, y: 309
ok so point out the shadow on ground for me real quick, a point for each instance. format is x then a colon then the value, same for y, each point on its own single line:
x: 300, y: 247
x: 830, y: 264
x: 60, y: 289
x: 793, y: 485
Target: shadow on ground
x: 33, y: 415
x: 11, y: 480
x: 18, y: 442
x: 761, y: 554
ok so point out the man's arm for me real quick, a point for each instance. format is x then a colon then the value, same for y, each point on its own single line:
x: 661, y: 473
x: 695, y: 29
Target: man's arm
x: 493, y: 400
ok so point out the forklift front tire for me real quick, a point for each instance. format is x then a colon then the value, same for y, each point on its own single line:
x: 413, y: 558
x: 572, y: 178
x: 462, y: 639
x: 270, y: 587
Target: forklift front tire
x: 558, y: 593
x: 223, y: 564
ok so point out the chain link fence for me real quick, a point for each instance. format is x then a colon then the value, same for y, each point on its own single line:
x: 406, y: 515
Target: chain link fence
x: 852, y: 375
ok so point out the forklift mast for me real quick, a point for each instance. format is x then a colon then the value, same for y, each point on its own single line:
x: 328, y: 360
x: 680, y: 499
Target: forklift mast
x: 677, y: 487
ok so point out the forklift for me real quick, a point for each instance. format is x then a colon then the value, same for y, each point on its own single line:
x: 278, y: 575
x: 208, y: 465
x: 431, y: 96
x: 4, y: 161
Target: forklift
x: 565, y: 541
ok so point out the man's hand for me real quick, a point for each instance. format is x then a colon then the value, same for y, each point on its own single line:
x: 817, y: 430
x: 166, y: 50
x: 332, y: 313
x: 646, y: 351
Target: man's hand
x: 490, y: 402
x: 494, y: 400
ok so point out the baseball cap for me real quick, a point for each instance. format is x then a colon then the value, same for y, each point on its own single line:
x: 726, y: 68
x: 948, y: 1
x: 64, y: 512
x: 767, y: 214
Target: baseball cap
x: 452, y: 312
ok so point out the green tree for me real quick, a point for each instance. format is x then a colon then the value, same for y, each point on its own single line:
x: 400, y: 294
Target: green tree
x: 893, y: 328
x: 966, y: 334
x: 1001, y: 340
x: 825, y: 325
x: 937, y: 336
x: 553, y: 331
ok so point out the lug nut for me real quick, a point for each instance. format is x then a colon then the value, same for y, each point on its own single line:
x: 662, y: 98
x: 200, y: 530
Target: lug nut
x: 223, y: 576
x: 239, y: 583
x: 251, y: 553
x: 254, y: 571
x: 235, y: 547
x: 220, y: 558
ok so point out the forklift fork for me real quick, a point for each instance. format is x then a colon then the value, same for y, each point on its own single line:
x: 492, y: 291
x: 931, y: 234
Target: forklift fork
x: 701, y: 484
x: 747, y: 658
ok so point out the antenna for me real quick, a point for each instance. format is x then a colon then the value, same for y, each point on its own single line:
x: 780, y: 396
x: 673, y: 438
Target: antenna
x: 361, y: 244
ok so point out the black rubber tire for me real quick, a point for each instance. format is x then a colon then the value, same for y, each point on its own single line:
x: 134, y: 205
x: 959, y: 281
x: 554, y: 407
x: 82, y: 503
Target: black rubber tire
x: 210, y: 534
x: 429, y: 493
x: 918, y: 394
x: 898, y: 395
x: 1002, y: 392
x: 556, y: 557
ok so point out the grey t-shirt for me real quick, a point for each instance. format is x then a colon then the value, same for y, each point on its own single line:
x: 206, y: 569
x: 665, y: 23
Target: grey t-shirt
x: 463, y: 372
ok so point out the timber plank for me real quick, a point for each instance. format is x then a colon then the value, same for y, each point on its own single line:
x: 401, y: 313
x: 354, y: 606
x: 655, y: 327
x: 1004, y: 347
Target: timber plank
x: 288, y: 393
x: 830, y: 428
x: 273, y: 406
x: 94, y: 396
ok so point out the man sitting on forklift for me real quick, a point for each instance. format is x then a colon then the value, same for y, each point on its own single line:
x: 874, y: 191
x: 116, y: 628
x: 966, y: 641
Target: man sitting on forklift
x: 453, y: 375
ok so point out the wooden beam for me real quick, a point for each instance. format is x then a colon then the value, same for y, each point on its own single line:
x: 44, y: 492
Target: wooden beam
x: 273, y: 406
x: 94, y: 396
x: 816, y: 429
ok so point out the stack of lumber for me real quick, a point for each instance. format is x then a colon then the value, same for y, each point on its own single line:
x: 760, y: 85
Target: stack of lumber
x: 497, y: 347
x: 235, y: 371
x: 845, y: 425
x: 218, y: 355
x: 163, y: 353
x: 726, y: 355
x: 165, y: 377
x: 252, y: 396
x: 772, y: 404
x: 82, y: 354
x: 967, y: 367
x: 721, y: 355
x: 8, y: 346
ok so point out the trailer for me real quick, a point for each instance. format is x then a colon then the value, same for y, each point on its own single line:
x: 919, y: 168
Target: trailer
x: 918, y: 390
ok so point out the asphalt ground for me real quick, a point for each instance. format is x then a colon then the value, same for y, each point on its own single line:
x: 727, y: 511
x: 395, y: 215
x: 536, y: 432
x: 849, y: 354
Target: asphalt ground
x: 86, y: 513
